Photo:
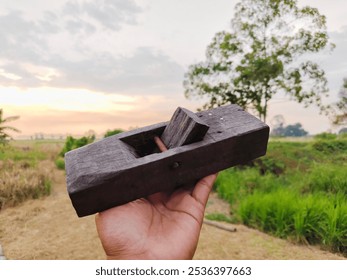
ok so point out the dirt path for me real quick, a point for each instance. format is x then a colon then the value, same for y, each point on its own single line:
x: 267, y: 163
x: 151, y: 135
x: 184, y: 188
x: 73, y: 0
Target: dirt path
x: 48, y: 228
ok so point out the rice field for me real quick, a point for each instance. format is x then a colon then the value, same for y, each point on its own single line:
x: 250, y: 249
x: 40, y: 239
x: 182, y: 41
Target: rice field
x: 298, y: 191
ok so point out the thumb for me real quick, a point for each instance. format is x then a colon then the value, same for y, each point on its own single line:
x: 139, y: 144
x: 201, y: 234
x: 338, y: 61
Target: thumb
x: 203, y: 188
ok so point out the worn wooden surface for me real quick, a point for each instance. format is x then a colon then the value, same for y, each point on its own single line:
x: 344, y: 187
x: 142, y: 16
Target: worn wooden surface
x: 123, y: 167
x: 184, y: 128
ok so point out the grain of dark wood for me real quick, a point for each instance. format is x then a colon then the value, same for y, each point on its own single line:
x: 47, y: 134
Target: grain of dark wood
x: 122, y: 168
x: 184, y: 128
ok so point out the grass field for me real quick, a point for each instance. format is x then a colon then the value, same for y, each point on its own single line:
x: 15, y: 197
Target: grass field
x: 25, y: 170
x: 297, y: 191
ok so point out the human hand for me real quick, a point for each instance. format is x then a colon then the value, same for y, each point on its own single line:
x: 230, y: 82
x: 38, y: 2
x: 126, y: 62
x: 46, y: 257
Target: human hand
x: 161, y: 226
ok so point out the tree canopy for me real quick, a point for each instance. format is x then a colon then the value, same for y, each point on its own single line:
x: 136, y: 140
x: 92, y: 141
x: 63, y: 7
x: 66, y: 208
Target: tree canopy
x: 261, y: 56
x: 292, y: 130
x: 340, y: 117
x: 4, y: 128
x: 280, y: 129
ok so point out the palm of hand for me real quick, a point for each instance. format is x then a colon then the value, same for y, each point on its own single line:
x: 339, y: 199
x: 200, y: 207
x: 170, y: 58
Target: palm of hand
x: 162, y: 226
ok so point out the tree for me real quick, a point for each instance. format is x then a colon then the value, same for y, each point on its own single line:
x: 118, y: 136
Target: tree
x: 4, y: 136
x: 292, y: 130
x: 278, y: 121
x: 340, y: 117
x: 262, y: 56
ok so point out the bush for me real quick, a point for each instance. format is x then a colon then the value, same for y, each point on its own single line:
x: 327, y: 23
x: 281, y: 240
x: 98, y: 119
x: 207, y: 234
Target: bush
x: 270, y: 165
x: 325, y: 136
x: 74, y: 143
x: 113, y: 132
x: 331, y: 146
x: 60, y: 163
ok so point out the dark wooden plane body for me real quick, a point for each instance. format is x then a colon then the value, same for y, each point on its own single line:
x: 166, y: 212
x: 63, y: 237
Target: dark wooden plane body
x: 123, y: 167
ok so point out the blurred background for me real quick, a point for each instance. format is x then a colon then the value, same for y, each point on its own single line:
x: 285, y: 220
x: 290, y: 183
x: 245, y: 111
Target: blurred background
x: 75, y: 71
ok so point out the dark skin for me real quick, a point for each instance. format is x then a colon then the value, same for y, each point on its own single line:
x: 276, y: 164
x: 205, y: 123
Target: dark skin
x: 161, y: 226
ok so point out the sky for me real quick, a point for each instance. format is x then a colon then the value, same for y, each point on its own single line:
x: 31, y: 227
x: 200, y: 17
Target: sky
x: 71, y: 66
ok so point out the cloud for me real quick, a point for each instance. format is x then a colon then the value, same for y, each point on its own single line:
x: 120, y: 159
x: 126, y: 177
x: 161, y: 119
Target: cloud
x: 336, y: 63
x: 109, y: 13
x: 112, y: 12
x: 20, y: 39
x: 76, y: 26
x: 59, y: 49
x: 333, y: 62
x: 146, y: 68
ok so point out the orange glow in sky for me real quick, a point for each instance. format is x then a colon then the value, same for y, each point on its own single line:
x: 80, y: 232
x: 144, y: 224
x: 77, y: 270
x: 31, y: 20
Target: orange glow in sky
x: 67, y: 67
x: 76, y: 111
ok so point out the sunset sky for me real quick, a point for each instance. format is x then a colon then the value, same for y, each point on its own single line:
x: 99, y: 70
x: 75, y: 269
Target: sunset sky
x: 68, y: 66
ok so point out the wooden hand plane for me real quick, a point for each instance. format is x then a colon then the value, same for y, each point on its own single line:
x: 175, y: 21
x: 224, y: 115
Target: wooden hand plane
x: 127, y: 166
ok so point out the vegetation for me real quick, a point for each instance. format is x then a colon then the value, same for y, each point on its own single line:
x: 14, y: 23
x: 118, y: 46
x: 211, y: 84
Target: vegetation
x: 113, y: 132
x: 340, y: 114
x: 25, y: 173
x: 325, y: 136
x: 60, y: 163
x: 218, y: 217
x: 72, y: 143
x: 263, y: 55
x: 343, y: 130
x: 279, y: 129
x: 4, y: 128
x: 292, y: 130
x: 297, y: 191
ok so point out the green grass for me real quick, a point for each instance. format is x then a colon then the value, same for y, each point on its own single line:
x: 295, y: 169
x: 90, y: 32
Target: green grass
x: 60, y: 163
x: 218, y: 217
x: 298, y: 191
x: 327, y: 178
x: 29, y: 154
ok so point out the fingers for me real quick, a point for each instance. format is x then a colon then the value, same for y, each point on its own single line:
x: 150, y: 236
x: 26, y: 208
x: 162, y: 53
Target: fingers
x: 203, y: 188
